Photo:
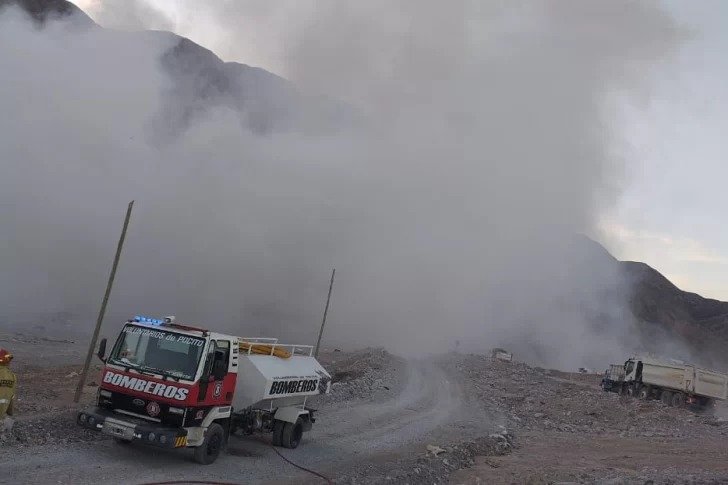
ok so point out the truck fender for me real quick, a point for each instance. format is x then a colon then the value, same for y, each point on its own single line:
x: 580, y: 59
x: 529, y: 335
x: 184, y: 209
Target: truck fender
x: 196, y: 434
x: 290, y: 414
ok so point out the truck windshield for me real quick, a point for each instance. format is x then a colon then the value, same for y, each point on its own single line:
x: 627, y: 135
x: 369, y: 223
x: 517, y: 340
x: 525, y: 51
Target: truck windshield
x: 158, y: 351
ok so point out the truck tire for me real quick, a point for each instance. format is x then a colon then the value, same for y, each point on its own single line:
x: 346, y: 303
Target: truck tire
x: 666, y: 398
x: 292, y: 434
x: 708, y: 407
x: 644, y: 393
x: 630, y: 391
x: 678, y: 400
x: 210, y: 449
x: 277, y: 432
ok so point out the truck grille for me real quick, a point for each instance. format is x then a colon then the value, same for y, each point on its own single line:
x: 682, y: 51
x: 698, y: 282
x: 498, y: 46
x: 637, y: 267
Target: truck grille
x: 140, y: 406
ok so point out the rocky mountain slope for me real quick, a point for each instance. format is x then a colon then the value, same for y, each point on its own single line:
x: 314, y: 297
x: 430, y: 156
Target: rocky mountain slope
x: 656, y: 299
x: 666, y: 312
x: 202, y: 81
x: 667, y: 315
x: 44, y: 10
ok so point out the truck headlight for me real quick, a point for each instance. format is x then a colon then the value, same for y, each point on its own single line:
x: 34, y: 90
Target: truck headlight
x: 105, y: 393
x: 179, y: 411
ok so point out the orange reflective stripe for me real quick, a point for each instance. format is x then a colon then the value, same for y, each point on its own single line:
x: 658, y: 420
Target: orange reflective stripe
x: 180, y: 441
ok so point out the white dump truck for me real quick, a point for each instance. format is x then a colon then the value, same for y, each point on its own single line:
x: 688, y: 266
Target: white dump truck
x: 673, y: 382
x: 176, y: 386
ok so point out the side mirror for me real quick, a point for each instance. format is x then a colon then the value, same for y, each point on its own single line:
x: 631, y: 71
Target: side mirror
x: 218, y: 370
x: 102, y: 351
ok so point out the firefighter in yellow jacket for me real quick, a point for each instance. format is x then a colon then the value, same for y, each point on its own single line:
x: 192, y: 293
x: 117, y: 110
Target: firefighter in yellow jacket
x: 8, y: 385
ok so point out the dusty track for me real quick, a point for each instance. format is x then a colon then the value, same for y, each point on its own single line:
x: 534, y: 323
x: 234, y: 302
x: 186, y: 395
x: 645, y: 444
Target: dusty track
x: 430, y: 406
x: 557, y: 457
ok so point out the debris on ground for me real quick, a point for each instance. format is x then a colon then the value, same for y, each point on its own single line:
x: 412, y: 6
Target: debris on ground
x: 567, y: 430
x: 430, y: 467
x: 361, y: 375
x: 574, y: 432
x: 58, y: 428
x: 536, y: 400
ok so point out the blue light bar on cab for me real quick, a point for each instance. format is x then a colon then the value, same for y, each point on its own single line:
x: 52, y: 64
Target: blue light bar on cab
x: 153, y: 321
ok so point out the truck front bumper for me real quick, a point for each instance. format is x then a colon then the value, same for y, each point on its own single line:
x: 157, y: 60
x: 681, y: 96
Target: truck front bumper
x: 112, y: 424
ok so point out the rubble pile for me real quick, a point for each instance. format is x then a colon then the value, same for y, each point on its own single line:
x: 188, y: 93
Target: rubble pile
x: 58, y: 428
x: 45, y: 411
x: 533, y: 400
x: 361, y: 375
x: 434, y: 465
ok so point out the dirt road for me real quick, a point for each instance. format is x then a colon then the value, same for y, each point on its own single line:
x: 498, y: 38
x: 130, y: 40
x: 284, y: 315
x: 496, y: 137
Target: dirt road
x: 430, y: 405
x: 544, y: 458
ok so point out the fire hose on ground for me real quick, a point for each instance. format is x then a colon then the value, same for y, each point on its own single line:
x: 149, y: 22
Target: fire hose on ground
x: 205, y: 482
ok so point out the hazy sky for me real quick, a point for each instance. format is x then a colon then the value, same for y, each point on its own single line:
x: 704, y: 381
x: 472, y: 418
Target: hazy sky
x: 671, y: 211
x: 671, y: 214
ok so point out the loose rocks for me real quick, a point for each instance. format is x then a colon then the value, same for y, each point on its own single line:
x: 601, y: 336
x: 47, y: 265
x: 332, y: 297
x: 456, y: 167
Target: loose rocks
x: 431, y: 467
x: 361, y: 375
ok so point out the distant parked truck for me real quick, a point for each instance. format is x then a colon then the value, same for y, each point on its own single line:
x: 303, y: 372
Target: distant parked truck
x: 500, y: 354
x: 675, y: 383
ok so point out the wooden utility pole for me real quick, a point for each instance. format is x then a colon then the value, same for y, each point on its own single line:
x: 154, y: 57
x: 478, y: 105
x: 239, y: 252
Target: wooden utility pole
x: 326, y: 310
x: 102, y: 311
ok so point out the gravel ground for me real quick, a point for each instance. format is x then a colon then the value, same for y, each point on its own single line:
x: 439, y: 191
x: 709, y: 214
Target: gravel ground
x: 569, y: 431
x: 534, y: 400
x: 455, y: 419
x: 363, y: 375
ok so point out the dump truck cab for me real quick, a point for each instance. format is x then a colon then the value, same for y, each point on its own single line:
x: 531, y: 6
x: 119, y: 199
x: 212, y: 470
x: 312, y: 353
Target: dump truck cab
x: 174, y: 386
x: 633, y: 370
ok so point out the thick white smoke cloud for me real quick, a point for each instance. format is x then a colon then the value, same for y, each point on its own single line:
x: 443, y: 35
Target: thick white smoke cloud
x: 448, y: 219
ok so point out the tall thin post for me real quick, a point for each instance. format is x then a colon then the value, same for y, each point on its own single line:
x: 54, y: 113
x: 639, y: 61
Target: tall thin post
x: 326, y: 310
x: 102, y: 311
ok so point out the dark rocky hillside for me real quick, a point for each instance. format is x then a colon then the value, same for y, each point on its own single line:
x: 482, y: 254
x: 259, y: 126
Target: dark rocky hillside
x: 265, y: 102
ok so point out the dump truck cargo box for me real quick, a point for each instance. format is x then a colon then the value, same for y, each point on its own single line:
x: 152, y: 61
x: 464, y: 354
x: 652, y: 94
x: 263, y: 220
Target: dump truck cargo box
x: 685, y: 377
x: 666, y: 375
x: 712, y: 384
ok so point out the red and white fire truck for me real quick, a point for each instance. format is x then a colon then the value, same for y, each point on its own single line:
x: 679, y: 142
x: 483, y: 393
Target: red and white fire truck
x: 175, y: 386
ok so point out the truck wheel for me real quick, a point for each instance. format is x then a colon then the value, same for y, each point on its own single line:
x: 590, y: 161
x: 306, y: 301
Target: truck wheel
x: 708, y: 407
x: 678, y: 400
x: 277, y: 432
x: 630, y: 391
x: 209, y: 450
x: 666, y: 398
x: 644, y: 393
x: 292, y: 434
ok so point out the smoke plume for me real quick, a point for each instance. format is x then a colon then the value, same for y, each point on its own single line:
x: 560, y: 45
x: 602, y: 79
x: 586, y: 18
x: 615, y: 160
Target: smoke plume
x: 452, y: 214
